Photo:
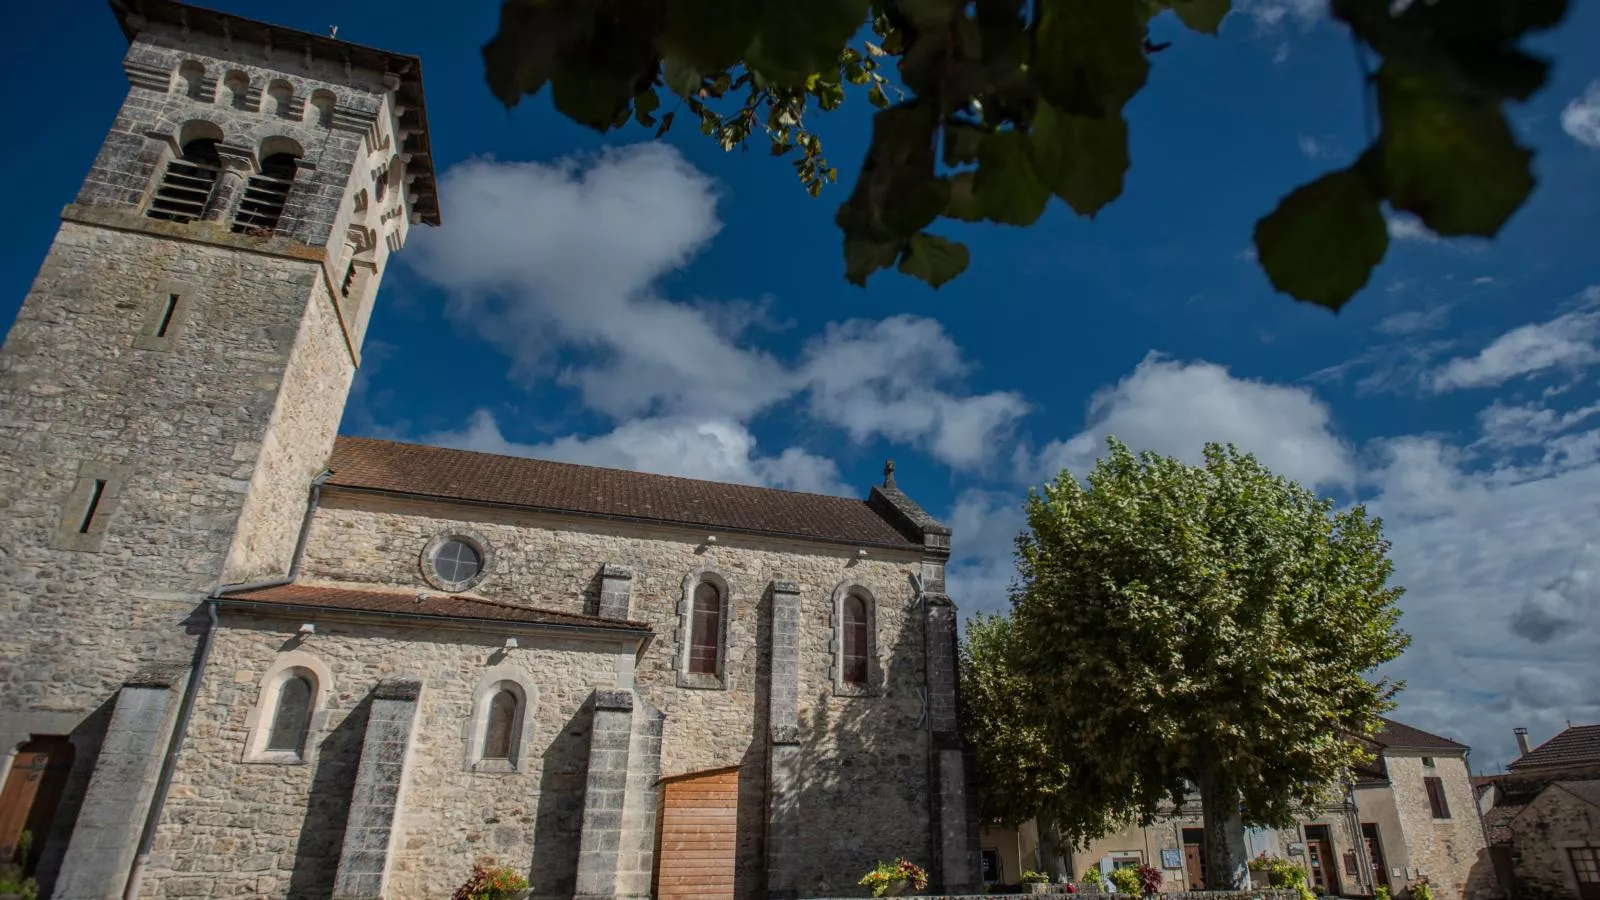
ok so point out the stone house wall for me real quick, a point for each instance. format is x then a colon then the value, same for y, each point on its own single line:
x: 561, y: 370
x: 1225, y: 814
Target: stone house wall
x: 233, y: 828
x: 1541, y: 835
x: 1378, y: 807
x: 863, y: 792
x: 1445, y: 850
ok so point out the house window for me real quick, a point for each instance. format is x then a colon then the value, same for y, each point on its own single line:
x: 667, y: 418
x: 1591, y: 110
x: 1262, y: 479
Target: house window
x: 187, y: 183
x: 1585, y: 868
x: 291, y: 720
x: 855, y: 640
x: 1436, y: 800
x: 705, y: 630
x: 1427, y: 762
x: 264, y: 196
x: 501, y: 725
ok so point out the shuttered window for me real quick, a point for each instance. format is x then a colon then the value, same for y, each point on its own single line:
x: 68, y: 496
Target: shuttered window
x: 264, y: 196
x: 187, y: 183
x: 1435, y: 785
x: 705, y: 630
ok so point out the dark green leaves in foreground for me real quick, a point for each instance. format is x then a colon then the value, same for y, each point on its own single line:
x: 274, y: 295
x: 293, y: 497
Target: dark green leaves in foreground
x: 1322, y: 241
x: 992, y: 107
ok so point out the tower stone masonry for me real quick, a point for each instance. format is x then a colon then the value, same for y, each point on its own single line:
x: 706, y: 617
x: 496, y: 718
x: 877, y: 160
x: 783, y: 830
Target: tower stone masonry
x: 243, y: 656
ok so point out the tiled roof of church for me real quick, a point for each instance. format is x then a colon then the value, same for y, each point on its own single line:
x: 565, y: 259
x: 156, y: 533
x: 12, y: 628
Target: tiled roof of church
x: 539, y: 484
x: 423, y: 604
x: 1576, y: 745
x: 1400, y: 736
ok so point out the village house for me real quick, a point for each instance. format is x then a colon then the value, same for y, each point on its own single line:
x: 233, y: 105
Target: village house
x: 1407, y: 817
x: 1542, y: 817
x: 244, y: 657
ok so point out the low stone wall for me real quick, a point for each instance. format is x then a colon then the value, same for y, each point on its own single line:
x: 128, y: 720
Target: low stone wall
x: 1265, y: 894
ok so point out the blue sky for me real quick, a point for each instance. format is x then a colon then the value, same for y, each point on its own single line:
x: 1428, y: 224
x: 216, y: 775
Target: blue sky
x: 669, y: 307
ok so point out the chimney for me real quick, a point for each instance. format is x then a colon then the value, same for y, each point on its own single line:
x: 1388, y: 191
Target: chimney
x: 1522, y: 740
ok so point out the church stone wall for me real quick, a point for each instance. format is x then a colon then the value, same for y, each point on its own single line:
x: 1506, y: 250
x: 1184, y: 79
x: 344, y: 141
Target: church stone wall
x: 236, y: 829
x: 863, y: 787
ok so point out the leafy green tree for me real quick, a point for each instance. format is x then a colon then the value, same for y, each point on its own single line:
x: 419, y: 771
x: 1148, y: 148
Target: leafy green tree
x: 1213, y: 626
x: 995, y: 106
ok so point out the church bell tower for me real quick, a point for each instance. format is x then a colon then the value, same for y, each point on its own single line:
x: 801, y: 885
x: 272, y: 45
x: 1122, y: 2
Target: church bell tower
x: 171, y: 387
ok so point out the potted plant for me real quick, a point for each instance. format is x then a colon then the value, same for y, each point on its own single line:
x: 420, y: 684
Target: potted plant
x: 892, y: 879
x: 491, y: 882
x: 1091, y: 880
x: 1149, y: 880
x: 1126, y: 880
x: 1037, y: 882
x: 13, y: 885
x: 1282, y: 873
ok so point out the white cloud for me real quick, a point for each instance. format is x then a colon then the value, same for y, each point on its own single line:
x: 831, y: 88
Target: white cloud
x: 1414, y: 321
x: 1565, y: 342
x: 984, y: 526
x: 1507, y: 426
x: 711, y: 449
x: 1406, y: 227
x: 1177, y: 407
x: 1581, y: 118
x: 883, y: 378
x: 1273, y: 13
x: 558, y: 266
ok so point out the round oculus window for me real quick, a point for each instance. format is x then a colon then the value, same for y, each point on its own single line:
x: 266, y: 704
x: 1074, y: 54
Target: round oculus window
x: 457, y: 561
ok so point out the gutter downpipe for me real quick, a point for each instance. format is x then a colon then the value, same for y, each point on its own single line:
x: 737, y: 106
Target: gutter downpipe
x: 169, y: 765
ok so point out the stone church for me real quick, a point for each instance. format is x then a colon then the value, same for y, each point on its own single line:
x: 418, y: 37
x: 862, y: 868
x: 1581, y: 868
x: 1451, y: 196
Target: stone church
x: 241, y: 656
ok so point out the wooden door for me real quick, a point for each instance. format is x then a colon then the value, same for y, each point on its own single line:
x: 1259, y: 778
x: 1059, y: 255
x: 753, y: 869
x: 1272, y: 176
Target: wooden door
x: 1319, y: 857
x: 1586, y: 868
x: 698, y: 832
x: 1380, y: 870
x: 30, y: 795
x: 1194, y: 866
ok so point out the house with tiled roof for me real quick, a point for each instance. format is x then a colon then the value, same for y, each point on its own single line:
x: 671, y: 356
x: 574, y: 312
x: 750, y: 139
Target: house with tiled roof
x: 1404, y: 818
x: 1542, y: 816
x: 242, y: 656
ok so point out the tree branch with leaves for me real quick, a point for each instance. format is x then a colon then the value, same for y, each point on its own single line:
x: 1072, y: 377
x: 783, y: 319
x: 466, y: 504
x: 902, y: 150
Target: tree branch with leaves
x: 998, y: 105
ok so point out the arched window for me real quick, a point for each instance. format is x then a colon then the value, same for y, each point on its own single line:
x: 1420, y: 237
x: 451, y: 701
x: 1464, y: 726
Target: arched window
x: 292, y: 717
x: 193, y: 76
x: 264, y: 196
x: 187, y: 183
x: 705, y: 629
x: 854, y: 669
x: 501, y: 726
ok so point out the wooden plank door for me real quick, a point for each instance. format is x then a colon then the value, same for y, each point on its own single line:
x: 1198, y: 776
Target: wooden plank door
x: 29, y: 798
x: 699, y: 821
x: 1194, y: 858
x: 1323, y: 878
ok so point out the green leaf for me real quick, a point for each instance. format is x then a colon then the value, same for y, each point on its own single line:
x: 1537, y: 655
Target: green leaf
x: 964, y: 203
x: 897, y: 193
x: 684, y: 79
x: 929, y: 14
x: 645, y: 104
x: 877, y: 97
x: 797, y: 38
x: 666, y: 123
x: 526, y: 50
x: 934, y: 259
x: 1322, y: 241
x: 590, y: 98
x: 1006, y: 188
x: 1089, y: 57
x: 961, y: 142
x: 710, y: 35
x: 1204, y: 16
x: 863, y: 257
x: 1082, y: 160
x: 1447, y: 157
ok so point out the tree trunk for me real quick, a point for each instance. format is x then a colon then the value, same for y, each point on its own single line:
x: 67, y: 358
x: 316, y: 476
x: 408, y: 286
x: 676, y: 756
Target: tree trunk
x: 1052, y: 860
x: 1226, y: 865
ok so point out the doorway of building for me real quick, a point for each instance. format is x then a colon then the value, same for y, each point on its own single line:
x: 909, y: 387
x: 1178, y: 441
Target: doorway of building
x: 697, y: 835
x: 1194, y: 857
x: 1321, y: 861
x: 1380, y: 869
x: 29, y: 799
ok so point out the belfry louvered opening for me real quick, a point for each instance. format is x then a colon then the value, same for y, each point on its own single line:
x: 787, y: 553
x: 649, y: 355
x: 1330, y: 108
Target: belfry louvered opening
x: 264, y: 195
x: 186, y: 185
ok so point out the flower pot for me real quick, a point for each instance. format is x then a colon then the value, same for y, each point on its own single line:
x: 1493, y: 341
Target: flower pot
x: 1042, y: 887
x: 895, y: 888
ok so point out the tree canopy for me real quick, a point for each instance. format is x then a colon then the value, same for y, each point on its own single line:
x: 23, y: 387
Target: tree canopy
x: 995, y: 106
x: 1178, y: 627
